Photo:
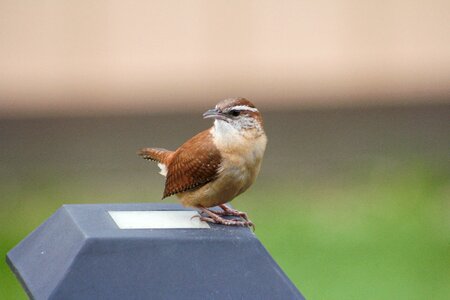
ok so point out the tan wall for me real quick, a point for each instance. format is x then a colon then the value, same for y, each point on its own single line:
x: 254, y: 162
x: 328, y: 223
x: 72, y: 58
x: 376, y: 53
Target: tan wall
x: 77, y: 56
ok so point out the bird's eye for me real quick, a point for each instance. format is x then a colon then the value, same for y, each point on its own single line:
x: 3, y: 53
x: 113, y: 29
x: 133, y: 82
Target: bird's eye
x: 235, y: 113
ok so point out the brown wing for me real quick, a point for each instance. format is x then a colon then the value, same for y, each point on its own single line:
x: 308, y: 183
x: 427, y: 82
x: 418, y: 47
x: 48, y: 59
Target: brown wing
x: 193, y: 165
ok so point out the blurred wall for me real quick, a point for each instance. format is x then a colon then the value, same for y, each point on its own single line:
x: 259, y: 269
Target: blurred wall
x: 79, y: 57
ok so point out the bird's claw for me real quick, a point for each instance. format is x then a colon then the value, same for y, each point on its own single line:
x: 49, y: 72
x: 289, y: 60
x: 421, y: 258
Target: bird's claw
x: 214, y: 217
x: 228, y: 222
x: 228, y: 211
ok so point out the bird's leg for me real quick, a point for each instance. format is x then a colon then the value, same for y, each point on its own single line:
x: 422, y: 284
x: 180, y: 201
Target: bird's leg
x: 219, y: 220
x: 228, y: 211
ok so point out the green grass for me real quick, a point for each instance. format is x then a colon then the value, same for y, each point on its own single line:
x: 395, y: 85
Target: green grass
x: 384, y: 235
x: 381, y: 232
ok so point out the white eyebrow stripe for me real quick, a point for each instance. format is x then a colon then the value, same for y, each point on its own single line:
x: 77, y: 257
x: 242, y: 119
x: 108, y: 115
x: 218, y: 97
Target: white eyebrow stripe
x: 243, y: 107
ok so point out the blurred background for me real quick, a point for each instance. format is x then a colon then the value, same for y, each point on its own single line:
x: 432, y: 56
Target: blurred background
x: 353, y: 197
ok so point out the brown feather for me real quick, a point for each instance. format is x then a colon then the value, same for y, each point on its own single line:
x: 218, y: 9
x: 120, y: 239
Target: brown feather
x: 193, y: 165
x: 227, y: 103
x: 156, y: 154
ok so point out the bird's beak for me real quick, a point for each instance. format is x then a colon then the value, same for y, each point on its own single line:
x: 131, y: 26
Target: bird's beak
x: 215, y: 114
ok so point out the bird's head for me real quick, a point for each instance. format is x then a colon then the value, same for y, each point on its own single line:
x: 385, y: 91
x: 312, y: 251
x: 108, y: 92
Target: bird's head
x: 236, y: 114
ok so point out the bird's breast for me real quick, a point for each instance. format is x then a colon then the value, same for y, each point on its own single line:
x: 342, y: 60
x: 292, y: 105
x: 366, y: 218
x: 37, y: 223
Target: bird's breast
x: 241, y: 161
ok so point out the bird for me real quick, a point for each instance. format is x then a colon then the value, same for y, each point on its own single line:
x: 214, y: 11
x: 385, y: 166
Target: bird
x: 216, y: 165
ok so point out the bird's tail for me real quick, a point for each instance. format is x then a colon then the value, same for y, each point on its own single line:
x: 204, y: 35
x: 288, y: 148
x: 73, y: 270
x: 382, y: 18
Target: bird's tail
x: 156, y: 154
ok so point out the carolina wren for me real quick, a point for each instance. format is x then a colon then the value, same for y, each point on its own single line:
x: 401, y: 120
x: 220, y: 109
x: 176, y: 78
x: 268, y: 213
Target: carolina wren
x: 218, y: 164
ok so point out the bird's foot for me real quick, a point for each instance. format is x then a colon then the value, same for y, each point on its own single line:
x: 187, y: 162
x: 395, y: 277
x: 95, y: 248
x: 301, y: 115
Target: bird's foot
x: 214, y: 217
x: 228, y: 211
x: 228, y: 222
